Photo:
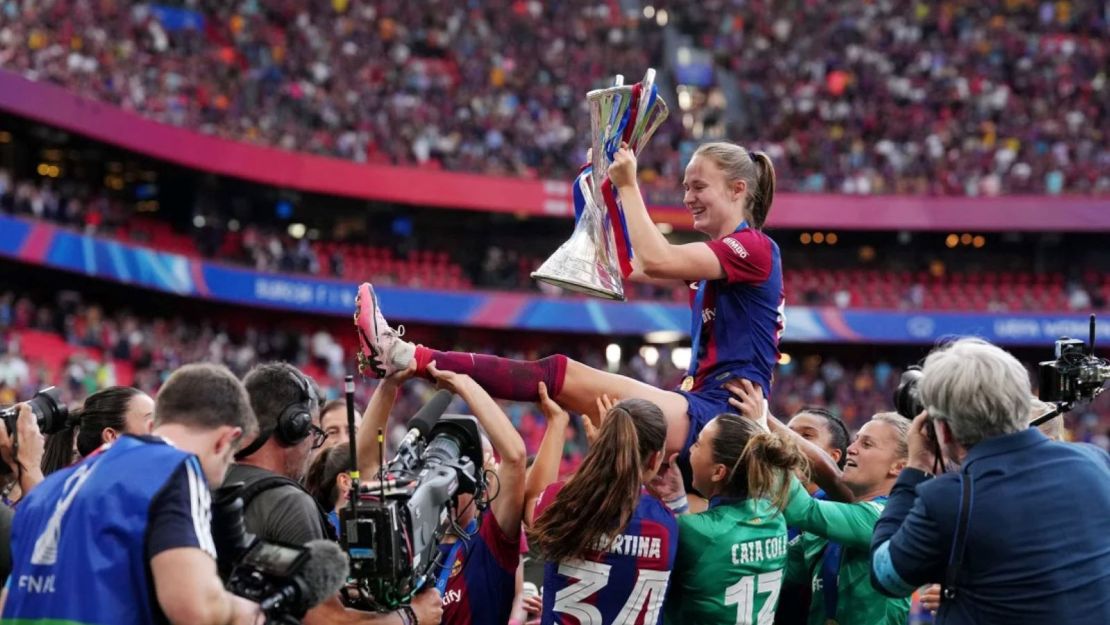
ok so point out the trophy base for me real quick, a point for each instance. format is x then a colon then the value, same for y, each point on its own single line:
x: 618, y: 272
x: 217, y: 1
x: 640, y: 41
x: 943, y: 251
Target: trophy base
x: 584, y: 287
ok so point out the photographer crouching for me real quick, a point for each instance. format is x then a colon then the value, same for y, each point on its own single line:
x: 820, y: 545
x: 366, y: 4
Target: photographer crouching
x: 1019, y: 533
x: 123, y: 536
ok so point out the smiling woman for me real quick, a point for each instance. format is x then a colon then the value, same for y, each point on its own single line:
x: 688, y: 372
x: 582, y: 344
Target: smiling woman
x: 832, y: 555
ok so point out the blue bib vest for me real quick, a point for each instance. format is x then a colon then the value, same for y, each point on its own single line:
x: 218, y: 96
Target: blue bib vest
x: 78, y: 539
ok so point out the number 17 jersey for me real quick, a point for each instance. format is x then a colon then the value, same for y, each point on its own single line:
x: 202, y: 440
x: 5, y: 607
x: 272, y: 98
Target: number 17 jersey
x: 624, y: 582
x: 729, y: 567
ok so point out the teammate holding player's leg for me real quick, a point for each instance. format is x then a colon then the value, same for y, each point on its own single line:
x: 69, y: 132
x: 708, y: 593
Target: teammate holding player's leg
x: 737, y: 299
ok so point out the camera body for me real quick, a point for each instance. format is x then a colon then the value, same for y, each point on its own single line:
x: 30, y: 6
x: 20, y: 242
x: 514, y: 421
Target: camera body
x: 264, y: 569
x: 393, y: 531
x: 1075, y: 375
x: 49, y: 411
x: 285, y: 580
x: 907, y: 397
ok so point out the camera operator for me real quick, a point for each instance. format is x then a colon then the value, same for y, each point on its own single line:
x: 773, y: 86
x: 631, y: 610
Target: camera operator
x: 480, y: 568
x: 988, y: 531
x: 276, y: 507
x: 123, y: 536
x: 1054, y: 429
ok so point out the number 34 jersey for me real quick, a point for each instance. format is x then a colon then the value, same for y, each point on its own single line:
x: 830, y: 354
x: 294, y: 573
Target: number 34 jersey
x: 624, y: 582
x: 729, y: 567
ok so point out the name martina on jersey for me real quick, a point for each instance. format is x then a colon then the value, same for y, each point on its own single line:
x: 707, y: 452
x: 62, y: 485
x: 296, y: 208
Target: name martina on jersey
x: 631, y: 545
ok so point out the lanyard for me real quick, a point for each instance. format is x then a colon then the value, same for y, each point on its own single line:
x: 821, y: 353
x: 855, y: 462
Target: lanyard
x: 696, y: 326
x: 445, y: 572
x: 830, y: 574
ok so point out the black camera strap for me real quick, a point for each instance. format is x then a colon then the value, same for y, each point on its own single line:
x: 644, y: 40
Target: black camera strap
x: 257, y: 487
x: 956, y: 557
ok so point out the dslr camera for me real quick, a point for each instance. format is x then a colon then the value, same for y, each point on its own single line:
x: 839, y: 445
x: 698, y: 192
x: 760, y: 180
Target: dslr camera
x: 48, y: 408
x: 285, y: 580
x: 392, y: 528
x: 49, y: 411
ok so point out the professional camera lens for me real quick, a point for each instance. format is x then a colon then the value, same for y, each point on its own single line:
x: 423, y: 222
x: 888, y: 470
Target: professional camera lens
x: 48, y: 409
x: 907, y: 397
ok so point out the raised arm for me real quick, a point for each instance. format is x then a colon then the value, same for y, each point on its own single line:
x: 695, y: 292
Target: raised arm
x: 376, y: 417
x: 509, y: 504
x: 748, y: 400
x: 850, y: 524
x: 656, y: 256
x: 545, y: 469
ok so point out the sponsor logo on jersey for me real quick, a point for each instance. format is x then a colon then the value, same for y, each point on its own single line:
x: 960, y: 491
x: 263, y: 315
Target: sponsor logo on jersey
x: 736, y: 247
x: 457, y: 567
x: 451, y: 596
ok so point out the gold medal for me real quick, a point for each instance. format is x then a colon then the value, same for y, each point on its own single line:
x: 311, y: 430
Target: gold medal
x: 687, y: 383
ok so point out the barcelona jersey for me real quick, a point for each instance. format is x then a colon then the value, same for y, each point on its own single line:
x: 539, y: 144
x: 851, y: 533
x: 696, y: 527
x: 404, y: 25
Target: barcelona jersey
x: 741, y: 314
x: 624, y: 581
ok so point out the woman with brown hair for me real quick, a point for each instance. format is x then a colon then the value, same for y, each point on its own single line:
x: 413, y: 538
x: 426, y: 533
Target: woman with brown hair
x: 328, y: 482
x: 608, y: 542
x: 103, y: 417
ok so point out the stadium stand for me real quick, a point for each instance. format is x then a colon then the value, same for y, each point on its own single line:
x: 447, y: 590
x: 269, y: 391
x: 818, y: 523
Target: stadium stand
x: 938, y: 100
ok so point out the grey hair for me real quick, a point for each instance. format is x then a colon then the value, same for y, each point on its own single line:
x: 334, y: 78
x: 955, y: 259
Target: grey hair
x: 979, y: 389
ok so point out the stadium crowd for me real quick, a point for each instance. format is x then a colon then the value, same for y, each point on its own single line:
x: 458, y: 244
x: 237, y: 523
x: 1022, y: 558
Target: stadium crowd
x: 101, y: 338
x: 962, y: 98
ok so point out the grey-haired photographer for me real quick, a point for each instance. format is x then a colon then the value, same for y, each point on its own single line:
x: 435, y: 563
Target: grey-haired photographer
x: 1018, y: 534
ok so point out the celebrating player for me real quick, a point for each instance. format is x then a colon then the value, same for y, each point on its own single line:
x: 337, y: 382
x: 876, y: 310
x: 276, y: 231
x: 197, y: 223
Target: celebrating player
x: 731, y: 558
x: 737, y: 301
x: 609, y: 544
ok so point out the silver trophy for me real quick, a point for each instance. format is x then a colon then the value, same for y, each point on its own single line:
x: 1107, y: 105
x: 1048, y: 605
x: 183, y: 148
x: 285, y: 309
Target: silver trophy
x: 590, y: 261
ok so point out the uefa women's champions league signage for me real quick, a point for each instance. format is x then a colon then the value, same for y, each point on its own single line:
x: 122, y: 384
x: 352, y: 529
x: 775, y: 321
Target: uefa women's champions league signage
x: 38, y: 243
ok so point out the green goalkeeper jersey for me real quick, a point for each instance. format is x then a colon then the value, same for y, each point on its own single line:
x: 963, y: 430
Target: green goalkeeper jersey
x: 729, y: 566
x: 812, y: 559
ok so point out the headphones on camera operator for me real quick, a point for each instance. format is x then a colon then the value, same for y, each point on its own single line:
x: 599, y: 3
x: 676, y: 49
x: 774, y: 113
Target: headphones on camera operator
x: 294, y: 423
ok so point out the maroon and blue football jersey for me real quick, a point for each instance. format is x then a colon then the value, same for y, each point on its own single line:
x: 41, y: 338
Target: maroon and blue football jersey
x: 624, y: 581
